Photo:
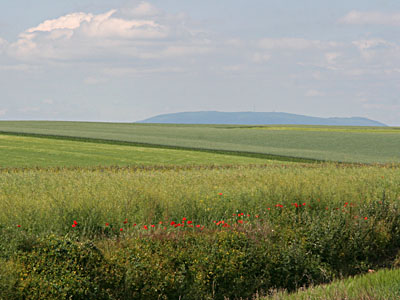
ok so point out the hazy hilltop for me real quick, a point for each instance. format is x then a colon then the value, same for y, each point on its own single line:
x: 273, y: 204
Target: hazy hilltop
x: 256, y: 118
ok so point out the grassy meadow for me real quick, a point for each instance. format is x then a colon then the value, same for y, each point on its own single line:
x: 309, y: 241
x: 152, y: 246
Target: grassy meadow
x: 84, y: 217
x: 332, y: 143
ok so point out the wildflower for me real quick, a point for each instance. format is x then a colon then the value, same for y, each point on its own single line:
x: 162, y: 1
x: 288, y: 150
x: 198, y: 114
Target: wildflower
x: 220, y: 194
x: 189, y: 222
x: 75, y: 222
x: 366, y: 218
x: 107, y: 224
x: 198, y: 226
x: 160, y: 222
x: 121, y: 229
x: 256, y: 216
x: 184, y: 219
x: 172, y: 223
x: 153, y: 226
x: 225, y: 225
x: 18, y: 226
x: 240, y: 221
x: 145, y: 227
x: 73, y: 225
x: 269, y: 208
x: 304, y: 204
x: 134, y: 225
x: 126, y: 221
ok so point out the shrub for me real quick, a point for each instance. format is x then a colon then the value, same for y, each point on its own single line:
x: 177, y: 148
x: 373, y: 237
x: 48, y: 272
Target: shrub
x: 59, y: 268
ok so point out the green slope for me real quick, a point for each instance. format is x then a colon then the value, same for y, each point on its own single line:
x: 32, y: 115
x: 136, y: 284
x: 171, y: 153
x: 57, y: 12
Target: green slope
x: 348, y: 144
x: 382, y: 285
x: 19, y: 151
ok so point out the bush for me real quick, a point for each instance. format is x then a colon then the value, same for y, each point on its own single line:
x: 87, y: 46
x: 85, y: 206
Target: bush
x: 59, y: 268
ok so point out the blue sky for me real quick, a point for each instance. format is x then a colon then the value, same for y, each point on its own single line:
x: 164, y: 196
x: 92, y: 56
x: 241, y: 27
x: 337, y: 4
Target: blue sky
x: 99, y: 60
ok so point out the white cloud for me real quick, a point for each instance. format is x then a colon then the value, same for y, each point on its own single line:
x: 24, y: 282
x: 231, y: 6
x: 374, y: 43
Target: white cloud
x: 84, y: 35
x: 331, y: 57
x: 370, y: 47
x: 314, y: 93
x: 371, y: 43
x: 143, y: 9
x: 371, y: 18
x: 105, y: 26
x: 70, y: 21
x: 261, y: 57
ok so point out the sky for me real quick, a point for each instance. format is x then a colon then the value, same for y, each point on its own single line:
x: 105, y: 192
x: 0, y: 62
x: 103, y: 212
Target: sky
x: 127, y: 60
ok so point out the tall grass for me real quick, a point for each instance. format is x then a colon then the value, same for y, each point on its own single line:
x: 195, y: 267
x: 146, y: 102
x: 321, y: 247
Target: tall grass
x: 47, y: 200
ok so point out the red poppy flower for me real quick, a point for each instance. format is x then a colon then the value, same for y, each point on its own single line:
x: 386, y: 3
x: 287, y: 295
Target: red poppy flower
x: 177, y: 225
x: 189, y: 222
x: 134, y: 225
x: 366, y: 218
x: 153, y: 226
x: 220, y: 194
x: 160, y: 222
x: 75, y: 222
x: 121, y: 229
x: 240, y: 221
x: 172, y: 223
x: 126, y: 221
x: 269, y: 208
x: 18, y: 226
x: 304, y: 204
x: 225, y: 225
x: 184, y: 219
x: 145, y: 227
x: 73, y: 225
x: 198, y: 226
x: 107, y: 224
x: 256, y: 216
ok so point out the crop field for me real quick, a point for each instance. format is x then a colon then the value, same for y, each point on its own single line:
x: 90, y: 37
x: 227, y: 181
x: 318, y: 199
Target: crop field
x: 345, y: 144
x: 22, y: 151
x: 102, y: 215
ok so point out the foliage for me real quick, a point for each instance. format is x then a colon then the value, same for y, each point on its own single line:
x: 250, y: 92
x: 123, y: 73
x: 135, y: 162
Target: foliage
x: 59, y: 268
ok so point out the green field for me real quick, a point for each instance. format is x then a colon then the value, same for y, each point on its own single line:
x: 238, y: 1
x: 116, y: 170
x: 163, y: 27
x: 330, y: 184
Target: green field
x: 135, y: 211
x: 22, y: 151
x: 346, y: 144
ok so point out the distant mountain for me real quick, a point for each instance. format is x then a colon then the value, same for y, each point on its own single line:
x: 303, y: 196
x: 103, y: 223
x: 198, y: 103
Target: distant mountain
x: 256, y: 118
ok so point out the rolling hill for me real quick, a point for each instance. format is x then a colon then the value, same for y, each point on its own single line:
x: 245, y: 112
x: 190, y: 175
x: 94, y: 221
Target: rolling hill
x: 256, y: 118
